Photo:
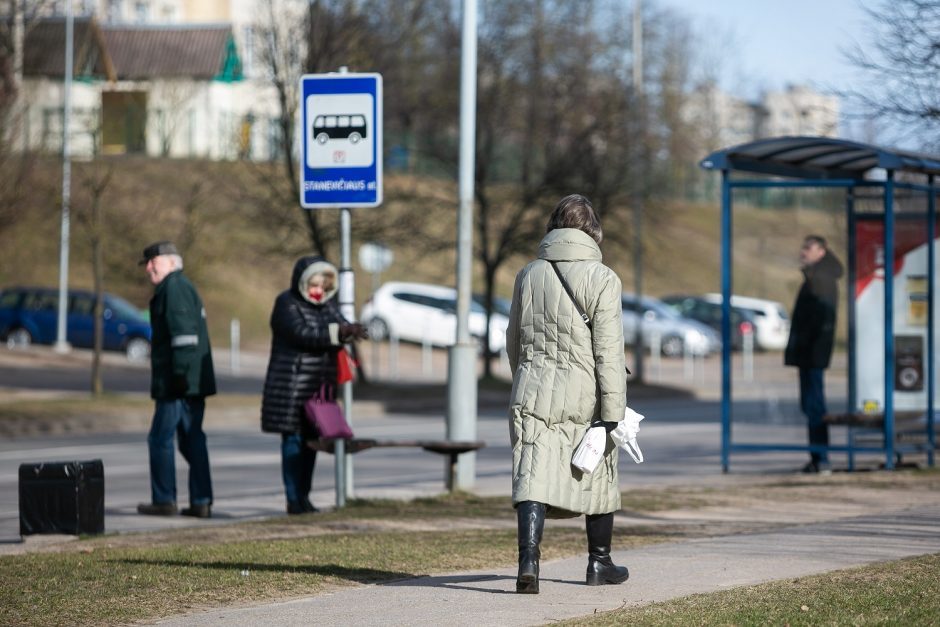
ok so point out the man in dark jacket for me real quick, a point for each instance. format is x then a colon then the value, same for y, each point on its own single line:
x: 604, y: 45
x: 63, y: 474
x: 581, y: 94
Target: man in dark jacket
x: 181, y: 378
x: 812, y: 332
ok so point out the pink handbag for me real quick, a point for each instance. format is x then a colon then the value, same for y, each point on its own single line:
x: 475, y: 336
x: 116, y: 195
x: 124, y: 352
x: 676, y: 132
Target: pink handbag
x: 326, y: 416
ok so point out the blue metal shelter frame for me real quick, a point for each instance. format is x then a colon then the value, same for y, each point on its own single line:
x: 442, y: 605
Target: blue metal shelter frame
x: 822, y: 162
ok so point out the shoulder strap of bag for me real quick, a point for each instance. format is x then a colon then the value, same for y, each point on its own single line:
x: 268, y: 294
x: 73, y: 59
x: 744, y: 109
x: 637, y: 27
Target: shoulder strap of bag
x: 567, y: 287
x: 584, y: 316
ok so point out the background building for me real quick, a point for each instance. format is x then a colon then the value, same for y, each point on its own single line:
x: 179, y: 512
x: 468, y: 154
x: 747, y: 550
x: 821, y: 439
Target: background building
x: 160, y: 77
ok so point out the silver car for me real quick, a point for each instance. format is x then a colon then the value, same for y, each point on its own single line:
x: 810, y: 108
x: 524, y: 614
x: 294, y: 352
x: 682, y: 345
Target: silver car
x: 662, y: 324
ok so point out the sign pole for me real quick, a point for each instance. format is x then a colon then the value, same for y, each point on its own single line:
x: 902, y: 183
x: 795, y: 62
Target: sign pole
x: 347, y: 306
x: 341, y: 139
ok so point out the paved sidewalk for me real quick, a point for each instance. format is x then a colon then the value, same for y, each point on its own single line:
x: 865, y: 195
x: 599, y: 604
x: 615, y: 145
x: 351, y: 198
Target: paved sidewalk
x: 659, y: 572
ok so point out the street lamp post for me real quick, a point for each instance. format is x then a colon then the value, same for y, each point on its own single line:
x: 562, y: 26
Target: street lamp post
x: 61, y: 343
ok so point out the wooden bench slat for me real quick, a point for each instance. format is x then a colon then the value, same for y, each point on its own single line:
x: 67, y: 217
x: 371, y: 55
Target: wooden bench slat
x: 873, y: 421
x: 442, y: 447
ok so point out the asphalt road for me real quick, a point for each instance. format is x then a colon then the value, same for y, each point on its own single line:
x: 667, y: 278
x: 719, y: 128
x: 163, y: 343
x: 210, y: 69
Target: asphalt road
x: 680, y: 439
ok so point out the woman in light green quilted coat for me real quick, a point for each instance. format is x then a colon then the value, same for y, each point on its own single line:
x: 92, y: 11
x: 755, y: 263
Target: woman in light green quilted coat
x: 565, y: 375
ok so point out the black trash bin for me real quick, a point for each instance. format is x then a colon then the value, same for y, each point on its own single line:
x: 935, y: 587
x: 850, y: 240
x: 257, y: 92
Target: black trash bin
x: 62, y: 497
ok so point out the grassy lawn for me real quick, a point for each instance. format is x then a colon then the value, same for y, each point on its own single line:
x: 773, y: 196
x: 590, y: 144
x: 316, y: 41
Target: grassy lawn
x: 120, y: 579
x: 124, y: 578
x: 894, y: 593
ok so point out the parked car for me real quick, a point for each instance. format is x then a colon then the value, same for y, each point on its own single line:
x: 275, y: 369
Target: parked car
x: 676, y: 333
x: 30, y: 315
x: 419, y: 312
x: 773, y: 323
x: 500, y: 305
x: 696, y: 307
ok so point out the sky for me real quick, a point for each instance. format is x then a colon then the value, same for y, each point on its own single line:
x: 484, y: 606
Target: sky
x: 777, y: 42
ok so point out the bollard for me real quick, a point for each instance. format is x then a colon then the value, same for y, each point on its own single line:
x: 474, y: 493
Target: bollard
x: 393, y: 356
x: 747, y: 351
x: 235, y: 341
x: 374, y: 355
x: 656, y: 354
x: 425, y: 356
x: 688, y: 363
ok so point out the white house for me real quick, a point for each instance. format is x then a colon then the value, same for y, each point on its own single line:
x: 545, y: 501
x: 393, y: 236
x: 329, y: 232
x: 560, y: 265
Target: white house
x: 174, y: 90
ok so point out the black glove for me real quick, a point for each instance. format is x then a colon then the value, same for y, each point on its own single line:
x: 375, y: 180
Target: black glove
x: 179, y: 386
x: 349, y: 331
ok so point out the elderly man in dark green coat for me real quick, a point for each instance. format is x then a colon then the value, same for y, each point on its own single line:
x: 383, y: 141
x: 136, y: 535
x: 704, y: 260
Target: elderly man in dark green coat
x: 182, y: 377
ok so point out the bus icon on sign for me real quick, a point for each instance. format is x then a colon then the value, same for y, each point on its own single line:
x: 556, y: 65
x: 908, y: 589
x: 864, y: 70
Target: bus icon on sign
x: 339, y: 126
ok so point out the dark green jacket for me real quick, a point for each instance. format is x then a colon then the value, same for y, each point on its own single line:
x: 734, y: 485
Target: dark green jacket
x: 180, y: 355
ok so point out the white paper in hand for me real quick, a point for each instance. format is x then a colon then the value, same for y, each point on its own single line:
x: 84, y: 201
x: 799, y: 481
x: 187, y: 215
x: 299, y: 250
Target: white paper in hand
x: 625, y: 434
x: 591, y: 450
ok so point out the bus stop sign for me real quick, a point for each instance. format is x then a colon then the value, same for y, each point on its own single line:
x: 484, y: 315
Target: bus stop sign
x: 341, y: 116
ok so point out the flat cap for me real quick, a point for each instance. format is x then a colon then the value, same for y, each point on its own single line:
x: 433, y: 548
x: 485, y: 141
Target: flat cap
x: 156, y: 249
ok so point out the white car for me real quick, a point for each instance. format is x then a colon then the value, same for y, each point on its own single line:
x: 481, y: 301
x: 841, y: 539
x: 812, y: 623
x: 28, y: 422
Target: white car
x: 770, y: 318
x: 419, y: 312
x: 677, y: 334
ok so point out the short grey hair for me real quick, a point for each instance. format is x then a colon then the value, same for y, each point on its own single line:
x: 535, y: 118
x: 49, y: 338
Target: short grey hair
x: 177, y: 261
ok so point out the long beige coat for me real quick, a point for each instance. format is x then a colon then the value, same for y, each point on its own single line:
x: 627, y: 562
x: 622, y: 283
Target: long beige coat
x: 564, y: 376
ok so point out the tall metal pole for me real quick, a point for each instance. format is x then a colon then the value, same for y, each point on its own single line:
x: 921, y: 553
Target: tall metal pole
x: 61, y: 343
x: 726, y: 283
x: 638, y: 185
x: 889, y: 321
x: 347, y: 307
x: 931, y: 370
x: 462, y: 375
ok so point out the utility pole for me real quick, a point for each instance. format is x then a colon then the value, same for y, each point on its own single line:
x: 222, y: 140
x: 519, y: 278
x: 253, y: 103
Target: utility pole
x: 462, y: 371
x: 61, y: 342
x: 639, y: 184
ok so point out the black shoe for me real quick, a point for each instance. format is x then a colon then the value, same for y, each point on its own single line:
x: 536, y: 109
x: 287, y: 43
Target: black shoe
x: 157, y: 509
x: 601, y: 569
x: 813, y: 468
x: 197, y: 511
x: 301, y: 507
x: 531, y: 521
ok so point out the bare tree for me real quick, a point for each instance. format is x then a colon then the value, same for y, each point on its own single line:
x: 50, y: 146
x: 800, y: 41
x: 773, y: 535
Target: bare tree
x: 16, y: 20
x: 552, y: 120
x: 95, y: 180
x: 281, y: 31
x: 900, y: 64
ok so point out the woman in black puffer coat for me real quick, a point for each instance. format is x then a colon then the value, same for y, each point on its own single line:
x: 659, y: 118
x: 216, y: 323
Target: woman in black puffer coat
x: 307, y: 333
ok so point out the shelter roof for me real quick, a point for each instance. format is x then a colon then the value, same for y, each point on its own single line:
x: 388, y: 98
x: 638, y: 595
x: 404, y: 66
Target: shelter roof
x: 817, y: 158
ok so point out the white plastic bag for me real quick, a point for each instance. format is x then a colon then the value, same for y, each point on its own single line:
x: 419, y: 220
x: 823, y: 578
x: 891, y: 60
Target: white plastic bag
x: 591, y: 450
x: 625, y: 434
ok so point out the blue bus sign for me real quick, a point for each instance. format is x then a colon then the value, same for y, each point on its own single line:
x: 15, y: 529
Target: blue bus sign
x: 341, y: 117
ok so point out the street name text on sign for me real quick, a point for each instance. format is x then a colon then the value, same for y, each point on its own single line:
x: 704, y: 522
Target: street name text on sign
x: 341, y: 117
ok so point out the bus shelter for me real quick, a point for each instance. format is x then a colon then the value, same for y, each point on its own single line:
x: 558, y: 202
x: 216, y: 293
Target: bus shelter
x: 892, y: 267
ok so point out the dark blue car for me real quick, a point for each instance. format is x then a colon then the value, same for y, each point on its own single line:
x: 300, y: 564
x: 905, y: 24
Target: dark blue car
x: 30, y: 314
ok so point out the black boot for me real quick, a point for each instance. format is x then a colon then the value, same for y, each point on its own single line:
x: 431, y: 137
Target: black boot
x: 601, y: 569
x: 531, y: 516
